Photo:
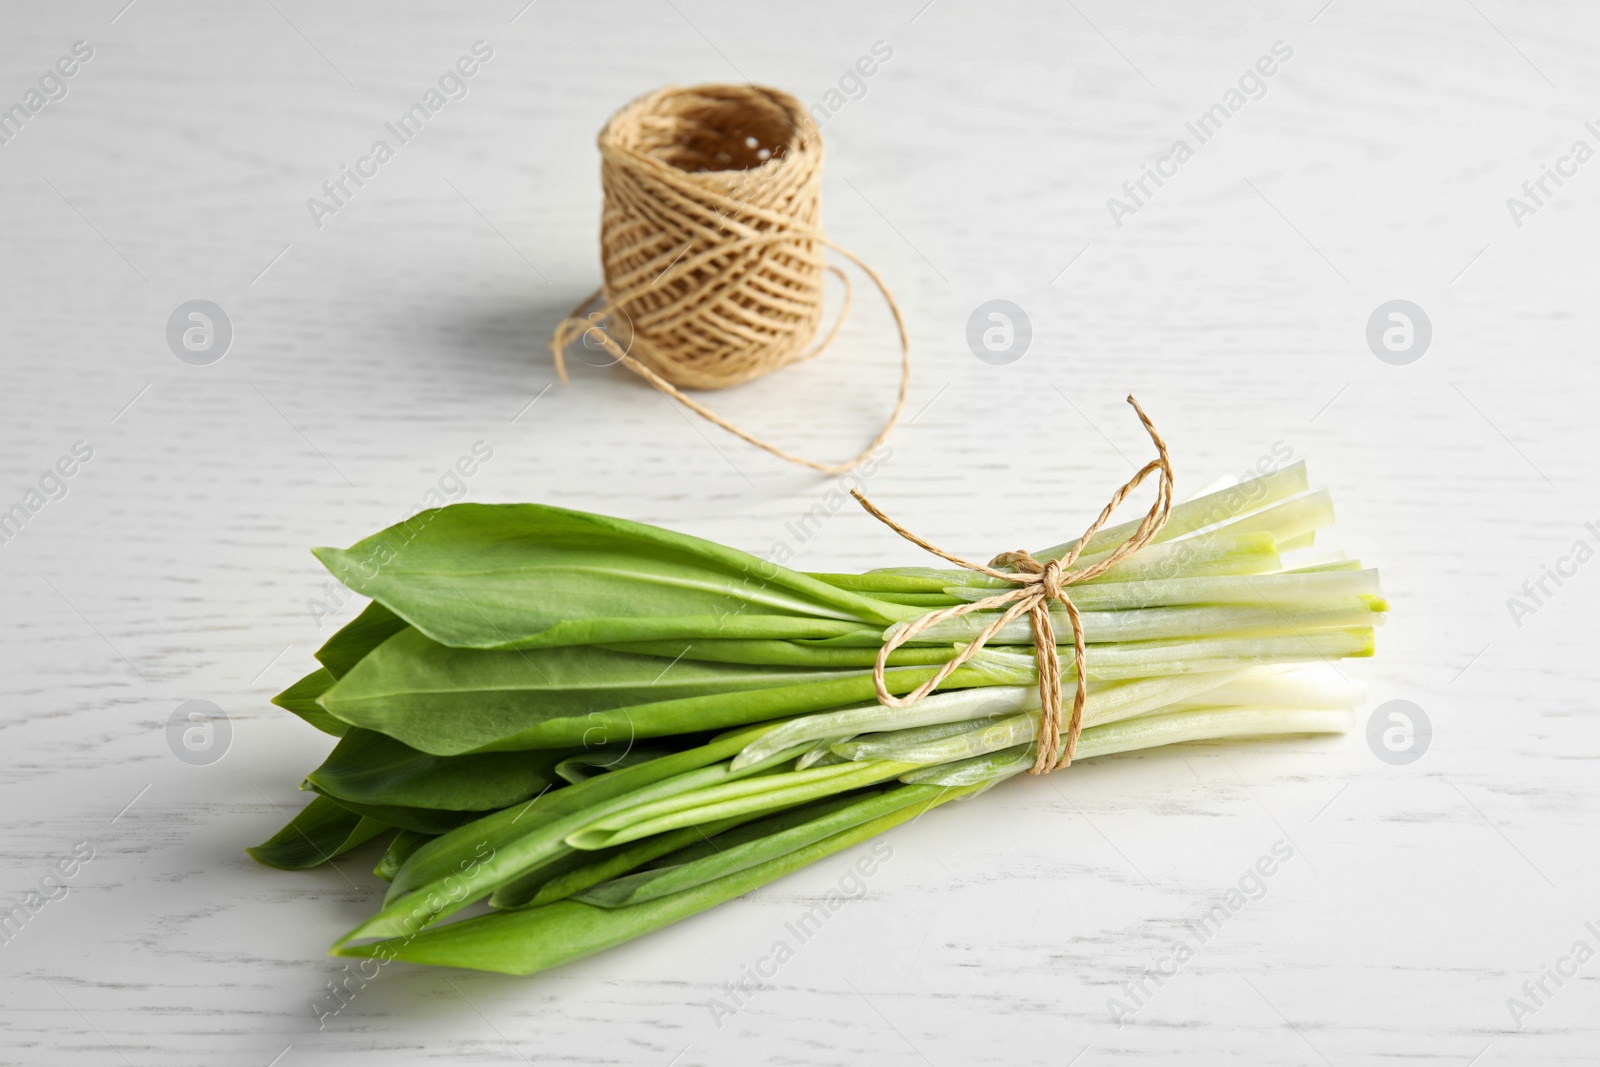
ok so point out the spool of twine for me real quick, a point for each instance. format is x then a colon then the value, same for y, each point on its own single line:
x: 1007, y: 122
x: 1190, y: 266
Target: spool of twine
x: 712, y: 248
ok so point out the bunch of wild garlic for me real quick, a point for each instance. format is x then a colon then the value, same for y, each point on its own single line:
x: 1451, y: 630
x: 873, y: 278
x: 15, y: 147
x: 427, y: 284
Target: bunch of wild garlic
x: 599, y: 727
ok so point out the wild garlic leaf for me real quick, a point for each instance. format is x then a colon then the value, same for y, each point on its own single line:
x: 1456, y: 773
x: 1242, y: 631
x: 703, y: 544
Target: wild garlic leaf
x: 423, y: 820
x: 322, y: 830
x: 448, y: 701
x: 507, y: 575
x: 338, y: 654
x: 375, y: 625
x: 301, y: 698
x: 370, y: 768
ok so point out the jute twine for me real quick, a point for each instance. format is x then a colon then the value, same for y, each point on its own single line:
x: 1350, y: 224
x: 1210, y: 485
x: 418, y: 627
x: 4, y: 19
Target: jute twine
x: 711, y: 246
x: 1038, y: 585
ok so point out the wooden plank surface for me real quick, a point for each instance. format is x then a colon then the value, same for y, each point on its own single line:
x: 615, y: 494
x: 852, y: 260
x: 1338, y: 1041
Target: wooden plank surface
x: 369, y: 352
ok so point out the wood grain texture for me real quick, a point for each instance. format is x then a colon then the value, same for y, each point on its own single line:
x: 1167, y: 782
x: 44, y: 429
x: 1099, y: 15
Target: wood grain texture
x: 371, y: 352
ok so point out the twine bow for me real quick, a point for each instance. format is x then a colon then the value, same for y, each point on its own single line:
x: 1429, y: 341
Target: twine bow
x: 1038, y: 584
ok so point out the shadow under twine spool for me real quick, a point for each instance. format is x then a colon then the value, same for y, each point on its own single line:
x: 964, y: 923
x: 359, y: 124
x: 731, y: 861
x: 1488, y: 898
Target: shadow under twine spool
x: 712, y: 250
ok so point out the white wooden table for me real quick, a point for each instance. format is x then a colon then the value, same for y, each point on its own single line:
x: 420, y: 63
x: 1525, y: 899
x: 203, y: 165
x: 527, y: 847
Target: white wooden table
x: 371, y: 351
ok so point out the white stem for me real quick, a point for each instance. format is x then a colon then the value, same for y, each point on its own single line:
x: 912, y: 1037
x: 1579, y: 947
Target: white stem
x: 1149, y: 731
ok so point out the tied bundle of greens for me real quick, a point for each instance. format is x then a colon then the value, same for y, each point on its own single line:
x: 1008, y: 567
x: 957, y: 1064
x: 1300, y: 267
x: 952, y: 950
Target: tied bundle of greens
x: 580, y: 729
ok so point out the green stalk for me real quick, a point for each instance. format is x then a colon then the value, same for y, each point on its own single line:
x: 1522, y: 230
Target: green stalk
x: 954, y: 706
x: 1320, y: 686
x: 1213, y: 554
x: 1109, y: 704
x: 1149, y: 659
x: 1287, y: 588
x: 732, y: 800
x: 578, y: 871
x: 1201, y: 512
x: 472, y: 861
x: 524, y: 942
x: 1153, y: 731
x: 1152, y: 624
x: 787, y: 653
x: 1147, y: 731
x: 765, y: 840
x: 1290, y: 520
x: 819, y: 753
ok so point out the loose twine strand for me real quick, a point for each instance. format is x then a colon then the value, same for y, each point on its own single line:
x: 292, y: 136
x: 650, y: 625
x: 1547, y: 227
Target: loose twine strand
x: 1038, y: 584
x: 712, y: 250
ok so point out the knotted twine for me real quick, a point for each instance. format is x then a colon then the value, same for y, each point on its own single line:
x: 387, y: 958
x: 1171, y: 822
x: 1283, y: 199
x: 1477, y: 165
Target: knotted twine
x: 711, y: 248
x: 1038, y: 584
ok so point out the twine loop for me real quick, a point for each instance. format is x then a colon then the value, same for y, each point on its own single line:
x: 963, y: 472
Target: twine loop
x: 1038, y: 584
x: 712, y: 248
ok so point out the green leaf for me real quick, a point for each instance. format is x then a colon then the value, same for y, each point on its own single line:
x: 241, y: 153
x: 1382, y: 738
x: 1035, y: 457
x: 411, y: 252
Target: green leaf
x: 371, y: 768
x: 375, y: 625
x: 322, y: 830
x: 707, y: 859
x: 423, y: 820
x: 448, y: 701
x: 342, y: 651
x: 301, y: 698
x: 527, y: 575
